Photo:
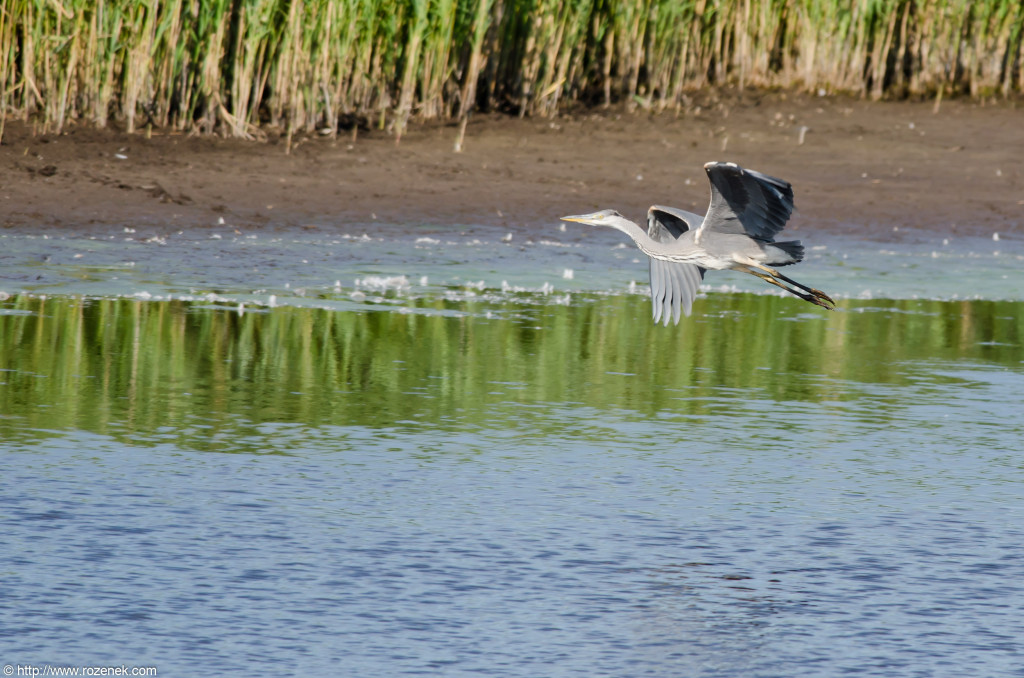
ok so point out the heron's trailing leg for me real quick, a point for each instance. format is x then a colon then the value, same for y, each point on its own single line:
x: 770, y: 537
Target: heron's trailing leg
x: 817, y: 293
x: 803, y: 295
x: 809, y: 294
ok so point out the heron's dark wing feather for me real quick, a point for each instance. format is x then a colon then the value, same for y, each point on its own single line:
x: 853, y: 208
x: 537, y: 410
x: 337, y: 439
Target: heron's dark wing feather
x: 673, y: 289
x: 666, y: 224
x: 746, y: 202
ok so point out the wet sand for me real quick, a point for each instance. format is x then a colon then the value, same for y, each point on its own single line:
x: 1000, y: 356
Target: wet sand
x: 862, y: 167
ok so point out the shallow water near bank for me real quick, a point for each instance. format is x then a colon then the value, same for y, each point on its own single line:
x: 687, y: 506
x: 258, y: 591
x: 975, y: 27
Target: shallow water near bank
x: 330, y: 267
x: 461, y: 460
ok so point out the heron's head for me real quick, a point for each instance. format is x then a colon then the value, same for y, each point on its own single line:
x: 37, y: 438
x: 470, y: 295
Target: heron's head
x: 602, y: 218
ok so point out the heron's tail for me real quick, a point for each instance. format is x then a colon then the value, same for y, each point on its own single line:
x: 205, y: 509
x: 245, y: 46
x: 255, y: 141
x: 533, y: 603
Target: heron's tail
x: 789, y: 252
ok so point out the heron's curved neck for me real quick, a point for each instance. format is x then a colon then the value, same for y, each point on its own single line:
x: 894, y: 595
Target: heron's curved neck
x: 634, y: 231
x: 646, y: 243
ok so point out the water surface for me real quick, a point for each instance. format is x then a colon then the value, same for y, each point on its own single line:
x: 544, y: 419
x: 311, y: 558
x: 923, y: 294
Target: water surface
x: 459, y: 461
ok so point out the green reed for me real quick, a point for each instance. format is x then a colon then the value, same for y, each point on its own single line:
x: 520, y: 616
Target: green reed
x: 239, y: 66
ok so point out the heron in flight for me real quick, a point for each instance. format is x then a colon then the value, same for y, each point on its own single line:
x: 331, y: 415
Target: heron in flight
x: 747, y: 210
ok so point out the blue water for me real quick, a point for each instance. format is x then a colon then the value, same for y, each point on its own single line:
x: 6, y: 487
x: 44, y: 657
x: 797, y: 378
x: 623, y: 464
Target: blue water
x: 864, y: 520
x: 363, y: 553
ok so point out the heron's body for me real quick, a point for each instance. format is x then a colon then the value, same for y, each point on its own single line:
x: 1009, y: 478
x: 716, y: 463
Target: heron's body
x: 747, y: 210
x: 723, y: 252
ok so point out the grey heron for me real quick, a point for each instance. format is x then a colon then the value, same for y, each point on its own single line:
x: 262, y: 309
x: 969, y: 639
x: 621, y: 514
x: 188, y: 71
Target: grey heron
x: 747, y: 210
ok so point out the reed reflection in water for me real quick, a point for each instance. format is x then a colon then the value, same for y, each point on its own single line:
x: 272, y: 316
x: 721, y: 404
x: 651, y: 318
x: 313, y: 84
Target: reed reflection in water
x: 146, y: 366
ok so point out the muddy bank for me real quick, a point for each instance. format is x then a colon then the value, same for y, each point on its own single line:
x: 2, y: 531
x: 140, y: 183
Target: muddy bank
x: 856, y: 167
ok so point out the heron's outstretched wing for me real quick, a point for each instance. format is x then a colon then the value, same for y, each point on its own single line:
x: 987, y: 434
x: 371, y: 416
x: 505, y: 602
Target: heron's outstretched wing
x: 673, y: 289
x: 666, y: 224
x: 746, y: 202
x: 673, y: 285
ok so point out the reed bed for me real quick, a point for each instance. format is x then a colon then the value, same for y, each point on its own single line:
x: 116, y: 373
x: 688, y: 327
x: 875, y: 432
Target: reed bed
x: 236, y: 67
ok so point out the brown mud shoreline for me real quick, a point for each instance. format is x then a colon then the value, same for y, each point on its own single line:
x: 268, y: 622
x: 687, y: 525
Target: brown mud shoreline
x: 864, y: 168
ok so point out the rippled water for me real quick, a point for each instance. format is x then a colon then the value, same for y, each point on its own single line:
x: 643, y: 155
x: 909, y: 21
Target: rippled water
x: 463, y: 460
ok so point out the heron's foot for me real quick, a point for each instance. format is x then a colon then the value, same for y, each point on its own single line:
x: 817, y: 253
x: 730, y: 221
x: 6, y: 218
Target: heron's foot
x: 818, y: 299
x: 821, y: 299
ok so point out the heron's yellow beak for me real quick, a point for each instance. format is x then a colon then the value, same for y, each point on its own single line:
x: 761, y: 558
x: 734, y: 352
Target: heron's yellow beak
x: 579, y: 218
